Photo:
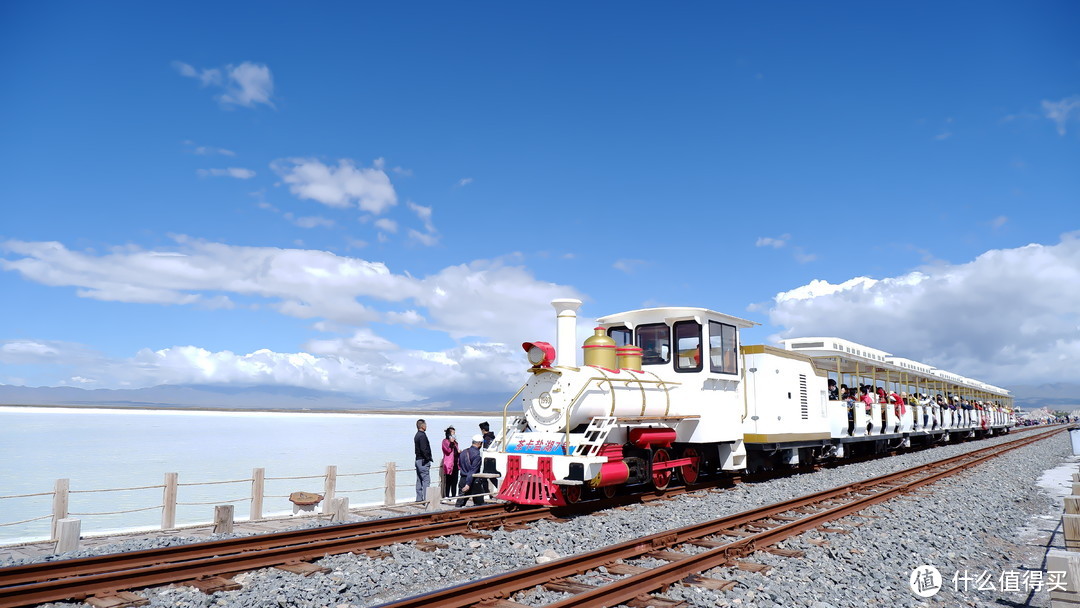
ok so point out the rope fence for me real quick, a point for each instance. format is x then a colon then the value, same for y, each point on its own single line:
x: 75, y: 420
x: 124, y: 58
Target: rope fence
x: 171, y: 488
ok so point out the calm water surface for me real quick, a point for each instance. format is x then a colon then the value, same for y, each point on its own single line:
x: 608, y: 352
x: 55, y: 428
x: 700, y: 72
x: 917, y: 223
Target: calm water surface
x: 100, y: 448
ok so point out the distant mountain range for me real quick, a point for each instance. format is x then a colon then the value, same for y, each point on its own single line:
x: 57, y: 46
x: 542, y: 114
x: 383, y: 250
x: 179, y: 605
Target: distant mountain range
x: 239, y: 398
x: 1057, y: 396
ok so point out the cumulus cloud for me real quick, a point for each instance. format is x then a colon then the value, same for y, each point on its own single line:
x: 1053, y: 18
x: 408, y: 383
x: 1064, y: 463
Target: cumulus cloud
x: 483, y: 299
x: 1009, y: 316
x: 230, y: 172
x: 386, y: 224
x: 1062, y: 111
x: 342, y: 186
x: 309, y: 221
x: 245, y: 85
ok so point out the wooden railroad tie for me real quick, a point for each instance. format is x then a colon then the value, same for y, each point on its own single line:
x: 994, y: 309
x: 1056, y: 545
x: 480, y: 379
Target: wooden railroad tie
x: 784, y: 518
x: 303, y: 568
x: 833, y: 530
x: 568, y: 586
x: 373, y: 553
x: 751, y: 566
x: 212, y: 584
x: 475, y: 535
x: 668, y: 556
x: 645, y: 601
x: 820, y: 542
x: 707, y: 582
x: 118, y: 599
x: 784, y: 552
x: 429, y: 546
x: 499, y: 603
x: 708, y: 544
x: 625, y: 569
x: 515, y: 527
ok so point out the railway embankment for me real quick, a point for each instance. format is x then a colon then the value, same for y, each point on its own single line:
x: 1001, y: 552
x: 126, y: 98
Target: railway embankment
x: 973, y: 529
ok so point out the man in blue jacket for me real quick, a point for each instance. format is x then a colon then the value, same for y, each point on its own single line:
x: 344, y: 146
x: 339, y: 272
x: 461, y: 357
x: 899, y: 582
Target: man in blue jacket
x: 422, y: 447
x: 469, y: 465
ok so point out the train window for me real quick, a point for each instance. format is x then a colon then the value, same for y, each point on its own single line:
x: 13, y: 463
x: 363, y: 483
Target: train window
x: 722, y: 348
x: 621, y: 335
x: 655, y: 343
x: 688, y: 346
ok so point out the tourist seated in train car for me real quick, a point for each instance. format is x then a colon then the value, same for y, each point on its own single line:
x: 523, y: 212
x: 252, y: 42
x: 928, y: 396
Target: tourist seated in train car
x: 850, y: 402
x: 834, y: 393
x: 868, y: 405
x: 846, y: 392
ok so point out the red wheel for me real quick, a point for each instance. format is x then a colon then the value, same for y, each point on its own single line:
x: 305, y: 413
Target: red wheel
x: 660, y: 478
x: 690, y: 471
x: 571, y: 494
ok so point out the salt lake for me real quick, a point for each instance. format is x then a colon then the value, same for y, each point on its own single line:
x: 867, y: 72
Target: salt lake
x: 125, y: 448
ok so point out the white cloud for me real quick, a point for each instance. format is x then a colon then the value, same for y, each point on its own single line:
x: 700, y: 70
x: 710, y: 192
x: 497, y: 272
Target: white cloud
x: 1061, y: 111
x: 629, y: 266
x: 230, y: 172
x: 207, y: 150
x: 341, y: 186
x: 424, y: 213
x: 483, y: 299
x: 1009, y: 316
x: 943, y: 135
x: 465, y: 181
x: 310, y: 221
x: 245, y: 85
x: 999, y: 221
x: 775, y: 243
x: 424, y: 238
x: 386, y: 224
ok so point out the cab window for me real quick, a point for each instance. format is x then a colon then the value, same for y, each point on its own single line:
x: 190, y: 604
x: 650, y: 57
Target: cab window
x: 655, y: 343
x: 722, y: 348
x: 621, y: 335
x: 688, y: 345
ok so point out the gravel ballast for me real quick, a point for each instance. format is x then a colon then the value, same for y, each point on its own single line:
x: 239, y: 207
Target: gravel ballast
x: 965, y: 524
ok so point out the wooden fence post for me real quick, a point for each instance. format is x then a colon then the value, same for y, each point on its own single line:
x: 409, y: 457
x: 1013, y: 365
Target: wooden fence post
x: 329, y: 487
x: 168, y: 510
x: 1072, y: 505
x: 59, y: 504
x: 223, y: 519
x: 1069, y: 563
x: 1071, y: 529
x: 390, y: 496
x: 258, y: 487
x: 339, y: 510
x: 67, y: 538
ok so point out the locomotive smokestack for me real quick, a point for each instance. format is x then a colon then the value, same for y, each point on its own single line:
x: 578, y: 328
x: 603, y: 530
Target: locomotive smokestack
x: 566, y: 331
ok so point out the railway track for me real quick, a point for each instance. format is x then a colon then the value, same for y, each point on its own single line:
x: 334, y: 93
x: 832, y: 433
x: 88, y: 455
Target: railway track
x: 207, y: 565
x: 727, y: 542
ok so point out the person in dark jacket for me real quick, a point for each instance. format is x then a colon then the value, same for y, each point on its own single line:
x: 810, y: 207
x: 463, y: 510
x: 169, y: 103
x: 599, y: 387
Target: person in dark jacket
x: 469, y: 462
x: 422, y: 447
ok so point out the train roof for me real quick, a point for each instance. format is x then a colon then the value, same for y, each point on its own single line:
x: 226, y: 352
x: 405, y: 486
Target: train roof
x: 670, y: 314
x: 848, y: 353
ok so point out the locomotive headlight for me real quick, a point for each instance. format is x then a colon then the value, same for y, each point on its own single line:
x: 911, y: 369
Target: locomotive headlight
x: 545, y: 400
x: 540, y: 354
x: 536, y: 356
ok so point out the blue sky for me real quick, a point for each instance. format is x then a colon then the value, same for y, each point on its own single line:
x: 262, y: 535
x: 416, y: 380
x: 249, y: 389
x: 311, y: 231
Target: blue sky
x: 381, y: 199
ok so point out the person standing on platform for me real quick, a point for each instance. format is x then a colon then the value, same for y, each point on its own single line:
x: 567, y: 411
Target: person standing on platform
x: 449, y: 463
x: 468, y: 466
x: 488, y: 436
x: 422, y: 447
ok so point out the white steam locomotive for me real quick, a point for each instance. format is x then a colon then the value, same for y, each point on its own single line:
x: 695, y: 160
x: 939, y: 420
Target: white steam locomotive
x: 671, y: 393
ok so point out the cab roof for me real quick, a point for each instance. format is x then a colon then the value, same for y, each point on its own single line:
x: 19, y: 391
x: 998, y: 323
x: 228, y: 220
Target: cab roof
x: 671, y: 314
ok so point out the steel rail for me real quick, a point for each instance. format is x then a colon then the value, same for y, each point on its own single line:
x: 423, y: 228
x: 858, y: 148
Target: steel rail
x: 504, y: 585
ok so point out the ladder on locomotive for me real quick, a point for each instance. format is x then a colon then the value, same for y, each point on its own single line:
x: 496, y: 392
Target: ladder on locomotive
x: 595, y: 436
x: 517, y: 424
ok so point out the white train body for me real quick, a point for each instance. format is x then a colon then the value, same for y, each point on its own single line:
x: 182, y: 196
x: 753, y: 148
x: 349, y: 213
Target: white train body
x: 699, y: 402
